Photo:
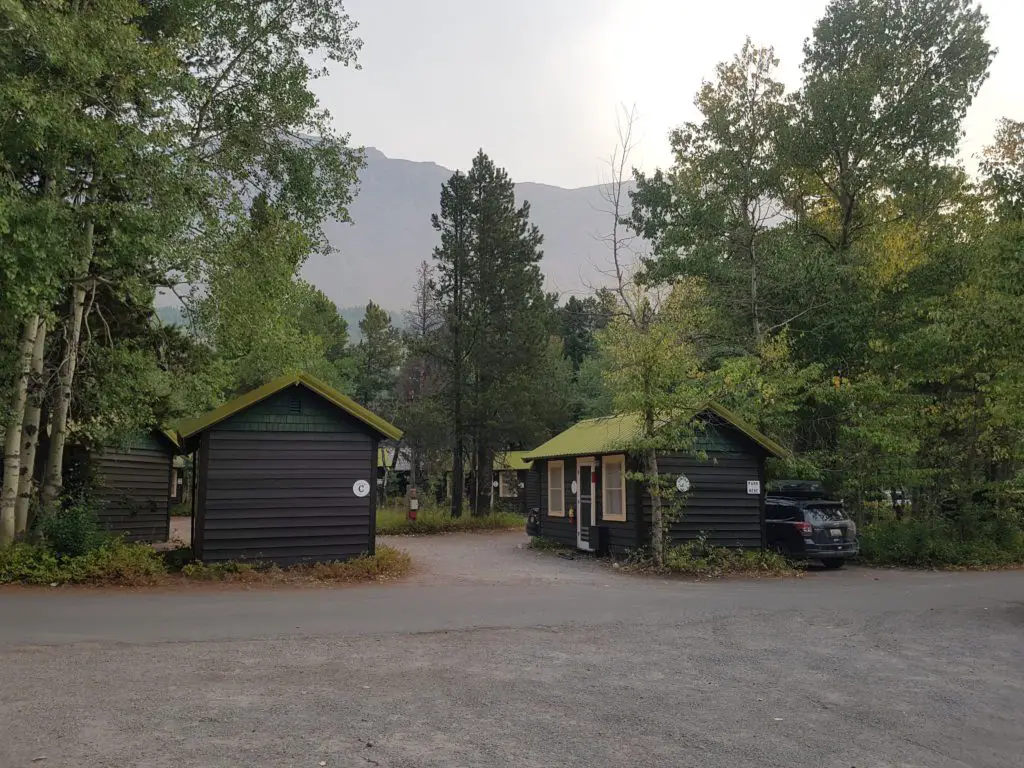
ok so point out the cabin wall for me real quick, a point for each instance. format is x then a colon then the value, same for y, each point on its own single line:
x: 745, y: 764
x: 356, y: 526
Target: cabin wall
x: 622, y: 535
x: 277, y: 484
x: 560, y: 529
x: 132, y: 486
x: 718, y: 504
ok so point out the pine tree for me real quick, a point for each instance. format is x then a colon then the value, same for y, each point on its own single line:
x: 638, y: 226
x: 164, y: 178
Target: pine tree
x: 377, y: 358
x: 497, y: 319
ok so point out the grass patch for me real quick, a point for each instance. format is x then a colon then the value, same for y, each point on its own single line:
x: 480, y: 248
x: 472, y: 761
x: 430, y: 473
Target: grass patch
x: 113, y: 563
x: 387, y: 564
x: 543, y: 544
x: 706, y: 561
x: 116, y: 563
x: 391, y: 521
x: 927, y: 543
x: 181, y: 510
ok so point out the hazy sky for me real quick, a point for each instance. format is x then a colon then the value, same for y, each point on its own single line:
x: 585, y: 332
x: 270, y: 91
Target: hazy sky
x: 536, y: 83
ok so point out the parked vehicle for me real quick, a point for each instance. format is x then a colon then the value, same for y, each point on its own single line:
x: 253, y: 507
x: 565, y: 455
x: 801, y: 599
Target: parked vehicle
x: 803, y: 523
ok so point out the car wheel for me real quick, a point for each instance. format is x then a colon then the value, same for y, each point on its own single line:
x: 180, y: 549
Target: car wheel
x: 834, y: 563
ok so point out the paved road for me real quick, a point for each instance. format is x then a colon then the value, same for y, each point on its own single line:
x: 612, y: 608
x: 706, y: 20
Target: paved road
x: 492, y: 655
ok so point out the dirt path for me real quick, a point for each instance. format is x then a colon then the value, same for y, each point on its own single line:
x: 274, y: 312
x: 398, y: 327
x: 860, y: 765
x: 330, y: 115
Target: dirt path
x: 493, y: 558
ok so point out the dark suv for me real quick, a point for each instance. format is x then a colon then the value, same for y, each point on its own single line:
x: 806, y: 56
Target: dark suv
x: 802, y: 523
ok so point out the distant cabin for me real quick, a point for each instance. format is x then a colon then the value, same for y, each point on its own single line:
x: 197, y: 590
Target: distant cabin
x: 586, y: 499
x: 132, y: 486
x: 287, y: 474
x: 511, y: 471
x: 393, y: 474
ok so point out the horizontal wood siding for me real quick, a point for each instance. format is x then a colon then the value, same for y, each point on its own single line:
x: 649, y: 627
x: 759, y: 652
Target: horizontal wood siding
x: 133, y: 490
x: 278, y: 484
x: 532, y: 489
x: 560, y: 529
x: 621, y: 534
x: 718, y: 504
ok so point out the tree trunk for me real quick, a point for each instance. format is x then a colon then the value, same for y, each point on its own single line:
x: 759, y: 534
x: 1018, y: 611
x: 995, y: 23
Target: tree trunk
x: 30, y: 433
x: 484, y: 478
x: 413, y: 458
x: 457, y: 470
x: 12, y: 439
x: 753, y: 299
x: 53, y: 479
x: 657, y: 521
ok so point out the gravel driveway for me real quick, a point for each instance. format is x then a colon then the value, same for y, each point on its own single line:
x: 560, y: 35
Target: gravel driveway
x: 492, y: 655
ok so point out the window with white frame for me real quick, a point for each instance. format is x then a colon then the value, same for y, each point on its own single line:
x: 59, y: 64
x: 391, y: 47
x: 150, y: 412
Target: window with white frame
x: 556, y: 488
x: 508, y: 485
x: 613, y: 484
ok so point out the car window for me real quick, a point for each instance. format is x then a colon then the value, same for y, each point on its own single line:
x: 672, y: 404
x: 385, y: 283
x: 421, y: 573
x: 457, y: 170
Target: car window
x: 781, y: 512
x: 820, y: 514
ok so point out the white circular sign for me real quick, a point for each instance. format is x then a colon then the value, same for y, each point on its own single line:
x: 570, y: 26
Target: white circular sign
x: 494, y: 483
x: 574, y: 486
x: 361, y: 488
x: 682, y: 484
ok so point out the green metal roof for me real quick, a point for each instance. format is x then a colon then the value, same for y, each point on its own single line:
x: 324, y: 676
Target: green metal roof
x: 615, y: 434
x: 190, y: 427
x: 512, y: 460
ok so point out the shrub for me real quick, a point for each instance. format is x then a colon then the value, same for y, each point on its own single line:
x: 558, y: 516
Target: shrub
x: 391, y: 521
x: 72, y: 530
x: 387, y: 564
x: 116, y: 562
x: 113, y: 562
x: 544, y: 544
x: 230, y: 571
x: 29, y: 564
x: 704, y: 560
x: 932, y: 542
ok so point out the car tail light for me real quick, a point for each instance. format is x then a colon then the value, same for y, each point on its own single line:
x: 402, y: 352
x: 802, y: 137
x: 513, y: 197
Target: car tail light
x: 806, y: 529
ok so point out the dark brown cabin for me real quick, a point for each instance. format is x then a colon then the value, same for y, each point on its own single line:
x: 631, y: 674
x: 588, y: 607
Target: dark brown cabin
x: 132, y: 486
x: 586, y: 499
x: 511, y: 471
x: 286, y: 474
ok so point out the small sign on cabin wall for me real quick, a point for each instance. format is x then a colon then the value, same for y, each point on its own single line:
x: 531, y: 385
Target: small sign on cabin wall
x: 754, y: 487
x: 361, y: 488
x: 682, y: 484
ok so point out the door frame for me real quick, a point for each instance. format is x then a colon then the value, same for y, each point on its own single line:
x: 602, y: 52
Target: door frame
x: 591, y: 462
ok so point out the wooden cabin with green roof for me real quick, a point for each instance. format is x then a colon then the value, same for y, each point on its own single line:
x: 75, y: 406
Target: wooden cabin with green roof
x: 511, y: 472
x: 286, y: 474
x: 586, y: 499
x: 131, y: 484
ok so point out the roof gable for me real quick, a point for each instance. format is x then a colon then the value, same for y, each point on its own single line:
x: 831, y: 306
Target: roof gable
x: 189, y: 428
x: 614, y: 434
x: 511, y: 460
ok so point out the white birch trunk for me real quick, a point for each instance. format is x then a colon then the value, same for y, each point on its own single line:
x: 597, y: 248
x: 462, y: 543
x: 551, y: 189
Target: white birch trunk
x: 30, y: 433
x: 53, y: 479
x: 12, y: 440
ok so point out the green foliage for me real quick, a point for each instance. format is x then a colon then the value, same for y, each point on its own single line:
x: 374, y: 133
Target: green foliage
x: 703, y: 560
x: 543, y: 544
x: 139, y: 134
x: 377, y: 358
x: 936, y: 543
x: 112, y: 563
x: 387, y: 564
x: 391, y: 521
x: 492, y: 344
x: 71, y: 531
x: 863, y: 294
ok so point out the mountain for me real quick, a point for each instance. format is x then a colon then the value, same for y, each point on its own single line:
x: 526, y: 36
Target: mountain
x: 376, y: 255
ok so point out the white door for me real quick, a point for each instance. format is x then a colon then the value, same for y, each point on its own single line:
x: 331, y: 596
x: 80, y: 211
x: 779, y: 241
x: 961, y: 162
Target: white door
x: 584, y: 503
